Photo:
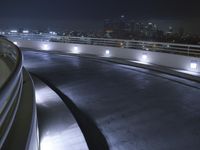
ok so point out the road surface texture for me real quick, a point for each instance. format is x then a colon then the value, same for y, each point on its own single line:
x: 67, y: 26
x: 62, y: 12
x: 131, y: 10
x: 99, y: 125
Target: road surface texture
x: 124, y: 108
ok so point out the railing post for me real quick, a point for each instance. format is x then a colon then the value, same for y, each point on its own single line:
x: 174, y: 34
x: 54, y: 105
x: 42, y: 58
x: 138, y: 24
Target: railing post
x: 188, y: 50
x: 126, y: 44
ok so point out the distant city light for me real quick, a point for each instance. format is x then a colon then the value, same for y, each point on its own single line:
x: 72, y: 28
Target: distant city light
x: 2, y: 33
x: 25, y: 31
x: 193, y: 65
x: 53, y: 33
x: 13, y: 31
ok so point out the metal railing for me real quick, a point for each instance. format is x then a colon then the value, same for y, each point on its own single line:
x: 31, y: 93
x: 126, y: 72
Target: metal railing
x: 180, y: 49
x: 11, y: 90
x: 172, y: 48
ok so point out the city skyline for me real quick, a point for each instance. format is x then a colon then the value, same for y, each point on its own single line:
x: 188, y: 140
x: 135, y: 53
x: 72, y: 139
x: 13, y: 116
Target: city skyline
x: 90, y: 25
x: 90, y: 14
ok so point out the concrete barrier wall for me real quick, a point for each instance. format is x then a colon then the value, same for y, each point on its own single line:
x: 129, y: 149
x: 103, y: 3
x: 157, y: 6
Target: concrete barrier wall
x: 4, y: 72
x: 162, y: 59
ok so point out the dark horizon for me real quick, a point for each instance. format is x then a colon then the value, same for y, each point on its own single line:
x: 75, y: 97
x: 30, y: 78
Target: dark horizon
x: 88, y: 14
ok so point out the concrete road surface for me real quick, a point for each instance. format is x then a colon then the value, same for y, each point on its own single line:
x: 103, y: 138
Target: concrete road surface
x: 127, y: 108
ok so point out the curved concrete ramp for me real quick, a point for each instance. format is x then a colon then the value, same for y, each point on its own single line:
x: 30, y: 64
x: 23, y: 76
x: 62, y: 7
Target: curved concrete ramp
x: 57, y: 127
x: 135, y: 109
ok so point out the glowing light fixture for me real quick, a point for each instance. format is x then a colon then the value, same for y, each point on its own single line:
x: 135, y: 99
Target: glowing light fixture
x: 107, y: 52
x: 193, y: 65
x: 75, y: 50
x: 45, y: 47
x: 144, y: 57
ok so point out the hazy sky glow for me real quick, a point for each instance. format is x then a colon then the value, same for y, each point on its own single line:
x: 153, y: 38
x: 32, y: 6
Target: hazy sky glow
x: 90, y: 11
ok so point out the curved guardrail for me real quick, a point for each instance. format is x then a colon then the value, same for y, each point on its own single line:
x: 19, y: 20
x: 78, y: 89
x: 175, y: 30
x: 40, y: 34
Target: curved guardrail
x: 172, y: 48
x: 11, y: 90
x: 180, y: 49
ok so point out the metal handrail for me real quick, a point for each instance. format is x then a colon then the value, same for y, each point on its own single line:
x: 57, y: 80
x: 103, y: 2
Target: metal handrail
x: 179, y: 49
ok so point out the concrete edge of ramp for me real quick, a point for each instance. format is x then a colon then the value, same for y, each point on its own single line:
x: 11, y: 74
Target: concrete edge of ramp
x: 4, y: 71
x: 93, y: 135
x: 58, y: 128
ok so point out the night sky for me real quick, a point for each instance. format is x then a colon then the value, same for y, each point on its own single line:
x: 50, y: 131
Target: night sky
x: 86, y: 13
